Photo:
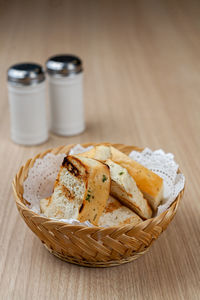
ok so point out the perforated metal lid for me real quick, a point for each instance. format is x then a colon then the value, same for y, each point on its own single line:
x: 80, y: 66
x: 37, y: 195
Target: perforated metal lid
x: 26, y: 74
x: 64, y: 65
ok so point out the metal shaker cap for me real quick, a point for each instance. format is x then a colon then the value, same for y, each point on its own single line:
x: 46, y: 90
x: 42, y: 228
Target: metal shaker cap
x: 26, y: 74
x: 64, y: 65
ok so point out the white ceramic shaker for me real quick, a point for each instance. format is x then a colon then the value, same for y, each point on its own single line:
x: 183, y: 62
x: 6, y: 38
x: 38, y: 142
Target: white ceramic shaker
x: 26, y: 94
x: 65, y: 77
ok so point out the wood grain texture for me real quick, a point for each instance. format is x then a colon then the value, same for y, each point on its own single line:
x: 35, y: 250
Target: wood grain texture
x: 142, y: 87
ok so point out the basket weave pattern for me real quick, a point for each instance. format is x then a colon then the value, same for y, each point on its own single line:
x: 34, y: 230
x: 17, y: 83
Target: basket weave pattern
x: 91, y: 246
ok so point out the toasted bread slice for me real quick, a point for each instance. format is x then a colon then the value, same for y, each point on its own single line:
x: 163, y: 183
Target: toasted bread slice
x: 150, y: 184
x: 100, y: 152
x: 116, y: 214
x: 81, y: 190
x: 124, y: 188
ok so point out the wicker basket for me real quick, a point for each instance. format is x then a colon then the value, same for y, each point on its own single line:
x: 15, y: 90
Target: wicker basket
x: 91, y: 246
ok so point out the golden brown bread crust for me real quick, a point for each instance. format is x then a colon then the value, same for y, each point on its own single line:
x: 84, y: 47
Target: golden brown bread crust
x: 97, y: 189
x: 96, y: 194
x: 94, y: 176
x: 150, y: 184
x: 69, y: 165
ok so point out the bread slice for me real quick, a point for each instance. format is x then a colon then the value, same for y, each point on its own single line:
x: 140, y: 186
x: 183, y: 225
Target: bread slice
x: 116, y: 214
x: 150, y: 184
x: 80, y: 192
x: 124, y: 188
x: 100, y: 152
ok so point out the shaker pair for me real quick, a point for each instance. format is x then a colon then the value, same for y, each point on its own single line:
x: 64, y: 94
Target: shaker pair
x: 27, y: 99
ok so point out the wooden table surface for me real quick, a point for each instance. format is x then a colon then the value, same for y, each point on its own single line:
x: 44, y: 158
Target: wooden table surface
x: 142, y: 87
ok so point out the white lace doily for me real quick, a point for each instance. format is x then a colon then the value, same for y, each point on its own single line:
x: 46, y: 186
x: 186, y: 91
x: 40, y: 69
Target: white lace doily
x: 40, y: 180
x: 41, y: 177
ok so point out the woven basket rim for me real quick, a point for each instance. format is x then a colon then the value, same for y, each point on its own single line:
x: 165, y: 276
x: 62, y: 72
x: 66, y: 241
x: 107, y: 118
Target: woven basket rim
x: 56, y: 150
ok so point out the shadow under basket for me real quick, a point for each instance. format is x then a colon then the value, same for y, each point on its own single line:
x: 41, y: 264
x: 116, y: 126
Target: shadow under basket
x: 91, y: 246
